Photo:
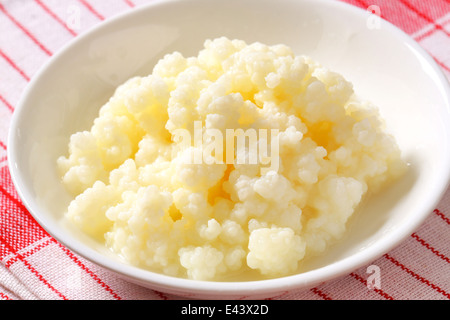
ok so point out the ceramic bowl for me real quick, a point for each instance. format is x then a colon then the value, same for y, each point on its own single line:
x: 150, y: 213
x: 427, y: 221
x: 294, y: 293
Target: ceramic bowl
x: 384, y: 64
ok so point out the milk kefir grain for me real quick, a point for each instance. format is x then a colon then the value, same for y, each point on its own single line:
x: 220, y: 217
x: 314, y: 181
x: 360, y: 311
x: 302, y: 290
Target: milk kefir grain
x: 319, y: 151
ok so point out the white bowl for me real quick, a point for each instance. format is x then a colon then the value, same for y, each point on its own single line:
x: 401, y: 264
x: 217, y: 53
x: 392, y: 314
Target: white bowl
x: 384, y: 64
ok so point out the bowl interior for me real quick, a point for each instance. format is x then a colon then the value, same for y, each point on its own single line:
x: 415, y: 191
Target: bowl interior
x: 384, y: 65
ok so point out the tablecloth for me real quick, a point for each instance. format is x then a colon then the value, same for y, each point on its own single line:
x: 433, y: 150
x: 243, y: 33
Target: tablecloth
x: 33, y: 265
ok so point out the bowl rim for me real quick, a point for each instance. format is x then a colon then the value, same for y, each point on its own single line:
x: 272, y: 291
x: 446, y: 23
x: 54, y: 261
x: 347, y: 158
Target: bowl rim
x: 302, y: 280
